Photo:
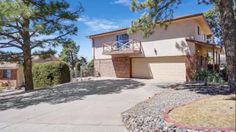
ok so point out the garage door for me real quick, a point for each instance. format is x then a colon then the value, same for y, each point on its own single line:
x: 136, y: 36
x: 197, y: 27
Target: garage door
x: 160, y: 68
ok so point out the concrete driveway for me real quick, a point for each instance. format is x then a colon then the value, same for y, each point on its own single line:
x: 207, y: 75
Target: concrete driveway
x: 90, y: 106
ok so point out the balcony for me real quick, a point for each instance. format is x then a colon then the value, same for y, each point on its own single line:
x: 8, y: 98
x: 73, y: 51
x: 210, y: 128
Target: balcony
x: 201, y: 38
x: 116, y: 48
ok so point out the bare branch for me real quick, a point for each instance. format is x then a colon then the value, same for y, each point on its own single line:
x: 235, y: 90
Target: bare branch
x: 12, y: 37
x: 5, y: 46
x: 33, y: 33
x: 9, y: 56
x: 12, y: 33
x: 48, y: 40
x: 9, y: 44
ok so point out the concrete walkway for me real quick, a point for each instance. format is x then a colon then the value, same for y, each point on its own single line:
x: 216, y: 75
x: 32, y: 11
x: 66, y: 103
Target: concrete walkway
x: 91, y: 106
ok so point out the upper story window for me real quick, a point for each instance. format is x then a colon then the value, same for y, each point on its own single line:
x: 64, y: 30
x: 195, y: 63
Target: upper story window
x: 198, y: 30
x: 122, y: 38
x: 7, y: 74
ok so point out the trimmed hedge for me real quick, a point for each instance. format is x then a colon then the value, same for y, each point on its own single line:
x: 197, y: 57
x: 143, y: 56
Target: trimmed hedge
x: 50, y: 73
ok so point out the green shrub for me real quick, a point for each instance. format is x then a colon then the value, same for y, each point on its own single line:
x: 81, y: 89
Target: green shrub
x: 208, y: 77
x: 90, y: 67
x: 50, y: 73
x: 85, y: 69
x: 223, y: 72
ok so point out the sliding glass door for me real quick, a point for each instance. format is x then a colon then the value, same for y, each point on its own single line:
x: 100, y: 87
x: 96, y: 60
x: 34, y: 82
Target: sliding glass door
x: 122, y: 39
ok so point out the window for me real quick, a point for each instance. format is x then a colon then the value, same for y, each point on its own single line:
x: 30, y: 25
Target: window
x: 198, y: 30
x: 122, y: 39
x: 7, y: 74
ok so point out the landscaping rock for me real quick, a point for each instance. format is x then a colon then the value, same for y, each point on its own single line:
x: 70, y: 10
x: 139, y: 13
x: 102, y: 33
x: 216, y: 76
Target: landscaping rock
x: 149, y: 115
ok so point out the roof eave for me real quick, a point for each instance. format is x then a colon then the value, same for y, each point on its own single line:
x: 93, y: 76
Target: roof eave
x: 204, y: 43
x: 175, y: 19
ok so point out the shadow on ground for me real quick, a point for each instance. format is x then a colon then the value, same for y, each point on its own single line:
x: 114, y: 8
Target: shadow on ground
x: 66, y: 93
x: 232, y: 98
x: 200, y: 88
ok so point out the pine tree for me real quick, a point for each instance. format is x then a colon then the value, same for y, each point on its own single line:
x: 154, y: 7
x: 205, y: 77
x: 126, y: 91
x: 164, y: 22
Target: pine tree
x: 22, y: 24
x: 213, y: 19
x: 69, y: 53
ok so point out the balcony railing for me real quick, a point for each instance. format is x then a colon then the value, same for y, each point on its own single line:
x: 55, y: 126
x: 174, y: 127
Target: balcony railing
x: 131, y: 47
x: 201, y: 38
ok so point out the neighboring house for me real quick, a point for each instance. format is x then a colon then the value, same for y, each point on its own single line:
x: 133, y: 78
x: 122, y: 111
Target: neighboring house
x: 11, y: 74
x: 174, y: 54
x: 42, y: 59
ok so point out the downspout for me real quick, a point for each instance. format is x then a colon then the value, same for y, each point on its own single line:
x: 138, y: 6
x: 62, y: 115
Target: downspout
x: 221, y: 50
x: 213, y: 58
x: 93, y: 46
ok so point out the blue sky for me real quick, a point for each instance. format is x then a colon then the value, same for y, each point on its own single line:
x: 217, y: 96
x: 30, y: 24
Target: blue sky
x: 106, y: 15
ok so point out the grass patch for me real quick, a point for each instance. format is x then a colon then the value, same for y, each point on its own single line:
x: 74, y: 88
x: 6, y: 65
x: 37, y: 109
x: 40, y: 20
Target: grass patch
x: 214, y: 112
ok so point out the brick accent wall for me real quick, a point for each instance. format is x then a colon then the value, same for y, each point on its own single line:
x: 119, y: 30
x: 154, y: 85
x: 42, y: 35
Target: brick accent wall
x: 104, y: 68
x: 1, y: 74
x: 191, y: 67
x: 114, y: 67
x: 122, y: 66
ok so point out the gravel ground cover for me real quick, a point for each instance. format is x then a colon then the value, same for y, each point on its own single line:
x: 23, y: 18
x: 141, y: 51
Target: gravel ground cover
x: 149, y: 115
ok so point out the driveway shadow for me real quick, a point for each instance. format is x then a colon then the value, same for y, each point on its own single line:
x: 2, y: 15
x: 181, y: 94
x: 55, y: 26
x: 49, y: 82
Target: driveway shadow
x: 199, y: 88
x: 66, y: 93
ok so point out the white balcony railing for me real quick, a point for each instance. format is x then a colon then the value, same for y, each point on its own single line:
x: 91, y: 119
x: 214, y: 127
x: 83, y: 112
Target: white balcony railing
x: 131, y: 47
x: 202, y: 38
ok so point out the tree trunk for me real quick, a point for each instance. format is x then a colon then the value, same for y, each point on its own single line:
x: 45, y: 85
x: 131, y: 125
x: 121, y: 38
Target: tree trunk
x: 28, y: 68
x: 27, y: 56
x: 229, y: 38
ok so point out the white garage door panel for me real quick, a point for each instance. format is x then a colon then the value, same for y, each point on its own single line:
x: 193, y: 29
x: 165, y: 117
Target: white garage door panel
x: 163, y: 69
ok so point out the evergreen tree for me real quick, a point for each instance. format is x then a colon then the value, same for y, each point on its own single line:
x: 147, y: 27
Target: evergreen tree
x: 213, y: 19
x: 69, y: 53
x: 24, y: 22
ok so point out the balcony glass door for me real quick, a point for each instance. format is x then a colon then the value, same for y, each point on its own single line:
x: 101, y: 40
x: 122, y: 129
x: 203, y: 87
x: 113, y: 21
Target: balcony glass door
x: 122, y: 39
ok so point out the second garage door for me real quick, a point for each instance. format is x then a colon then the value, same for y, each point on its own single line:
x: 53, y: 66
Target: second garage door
x: 160, y: 68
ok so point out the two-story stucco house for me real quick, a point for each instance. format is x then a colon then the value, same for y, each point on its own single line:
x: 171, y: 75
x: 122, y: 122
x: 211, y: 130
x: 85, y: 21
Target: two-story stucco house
x: 174, y: 54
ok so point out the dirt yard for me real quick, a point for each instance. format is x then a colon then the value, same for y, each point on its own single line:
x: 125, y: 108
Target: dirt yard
x: 214, y: 112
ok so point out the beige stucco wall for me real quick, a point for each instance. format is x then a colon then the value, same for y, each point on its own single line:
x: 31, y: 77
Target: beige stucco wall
x: 20, y: 76
x: 167, y: 69
x: 170, y: 42
x: 98, y: 46
x: 168, y: 47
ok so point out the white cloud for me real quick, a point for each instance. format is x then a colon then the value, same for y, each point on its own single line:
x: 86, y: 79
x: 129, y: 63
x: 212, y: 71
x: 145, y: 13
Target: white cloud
x: 122, y: 2
x: 99, y: 24
x: 43, y: 37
